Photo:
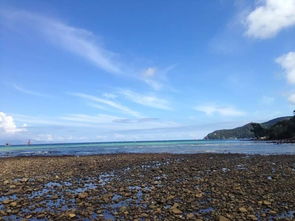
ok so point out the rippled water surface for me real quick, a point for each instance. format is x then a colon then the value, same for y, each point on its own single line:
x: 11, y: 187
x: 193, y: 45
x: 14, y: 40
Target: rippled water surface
x: 185, y: 146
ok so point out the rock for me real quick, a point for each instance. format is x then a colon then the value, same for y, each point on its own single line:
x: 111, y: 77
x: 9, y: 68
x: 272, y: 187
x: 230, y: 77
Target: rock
x: 123, y: 209
x: 252, y: 217
x: 265, y: 202
x: 6, y: 201
x: 198, y: 195
x: 144, y: 215
x: 71, y: 215
x: 54, y: 197
x: 24, y: 180
x: 190, y: 216
x: 82, y: 195
x: 272, y: 212
x: 243, y: 210
x: 13, y: 204
x: 176, y: 211
x: 222, y: 218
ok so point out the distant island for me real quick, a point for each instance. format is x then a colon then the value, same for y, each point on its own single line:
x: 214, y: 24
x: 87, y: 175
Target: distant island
x: 281, y: 129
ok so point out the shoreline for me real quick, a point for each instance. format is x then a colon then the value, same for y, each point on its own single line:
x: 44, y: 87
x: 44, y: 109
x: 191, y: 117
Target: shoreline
x: 158, y: 186
x: 152, y: 153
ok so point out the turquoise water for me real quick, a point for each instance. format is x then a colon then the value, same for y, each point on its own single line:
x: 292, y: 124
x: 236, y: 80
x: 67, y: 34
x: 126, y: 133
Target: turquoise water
x: 184, y: 146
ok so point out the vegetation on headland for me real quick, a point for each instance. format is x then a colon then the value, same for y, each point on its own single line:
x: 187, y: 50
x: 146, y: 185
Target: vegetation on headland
x: 282, y: 128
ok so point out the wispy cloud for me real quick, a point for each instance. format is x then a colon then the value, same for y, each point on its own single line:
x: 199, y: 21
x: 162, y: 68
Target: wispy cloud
x: 220, y: 110
x: 146, y: 100
x: 30, y: 92
x: 110, y: 103
x: 97, y: 106
x: 270, y: 18
x: 155, y: 77
x: 84, y: 43
x: 287, y: 62
x: 76, y: 40
x: 96, y: 119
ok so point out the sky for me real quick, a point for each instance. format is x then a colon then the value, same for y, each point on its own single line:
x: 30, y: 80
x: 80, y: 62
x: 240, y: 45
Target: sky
x: 91, y: 71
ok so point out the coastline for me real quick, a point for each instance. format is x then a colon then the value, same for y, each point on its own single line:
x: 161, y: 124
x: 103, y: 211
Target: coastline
x: 148, y: 186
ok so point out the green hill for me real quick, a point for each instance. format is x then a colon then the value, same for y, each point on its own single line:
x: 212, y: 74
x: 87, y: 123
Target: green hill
x: 248, y: 131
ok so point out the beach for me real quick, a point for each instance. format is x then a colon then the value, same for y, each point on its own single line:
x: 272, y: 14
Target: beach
x: 148, y: 187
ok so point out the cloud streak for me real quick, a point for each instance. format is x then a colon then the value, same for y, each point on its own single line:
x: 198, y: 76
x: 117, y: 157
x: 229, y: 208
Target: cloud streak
x: 146, y: 100
x: 83, y: 43
x: 76, y: 40
x: 110, y: 103
x: 270, y: 18
x: 220, y: 110
x: 29, y: 92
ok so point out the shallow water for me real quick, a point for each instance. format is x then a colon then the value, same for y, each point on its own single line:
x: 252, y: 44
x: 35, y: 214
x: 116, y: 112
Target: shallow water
x: 181, y: 147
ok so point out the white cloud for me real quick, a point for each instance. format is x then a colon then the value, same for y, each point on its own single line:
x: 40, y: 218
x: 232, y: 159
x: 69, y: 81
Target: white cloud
x: 223, y: 111
x: 146, y: 100
x: 270, y: 18
x: 287, y: 62
x: 7, y: 124
x: 110, y: 103
x: 76, y: 40
x: 291, y: 98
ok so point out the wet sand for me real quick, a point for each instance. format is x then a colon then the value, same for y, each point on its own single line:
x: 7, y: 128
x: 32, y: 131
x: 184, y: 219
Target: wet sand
x: 148, y: 187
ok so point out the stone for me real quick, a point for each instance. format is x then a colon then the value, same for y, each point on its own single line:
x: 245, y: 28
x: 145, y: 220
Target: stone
x: 54, y: 197
x: 243, y: 210
x: 82, y: 195
x: 123, y: 209
x: 176, y: 211
x: 6, y: 201
x: 13, y: 204
x: 252, y: 217
x: 190, y: 216
x: 222, y: 218
x: 71, y: 215
x: 265, y: 202
x: 198, y: 195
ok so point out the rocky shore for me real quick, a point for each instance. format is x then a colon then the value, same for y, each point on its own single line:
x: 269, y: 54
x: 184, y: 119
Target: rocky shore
x: 148, y: 187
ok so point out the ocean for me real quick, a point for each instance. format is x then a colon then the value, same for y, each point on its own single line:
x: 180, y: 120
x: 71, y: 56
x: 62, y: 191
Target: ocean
x: 171, y: 146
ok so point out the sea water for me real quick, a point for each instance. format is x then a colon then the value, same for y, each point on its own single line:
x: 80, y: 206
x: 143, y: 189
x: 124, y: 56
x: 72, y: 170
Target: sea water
x: 178, y: 147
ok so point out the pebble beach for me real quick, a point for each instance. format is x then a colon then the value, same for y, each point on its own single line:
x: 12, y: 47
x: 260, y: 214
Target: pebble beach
x: 148, y: 187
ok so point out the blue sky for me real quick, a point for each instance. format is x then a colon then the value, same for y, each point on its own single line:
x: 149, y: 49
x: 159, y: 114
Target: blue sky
x: 75, y: 71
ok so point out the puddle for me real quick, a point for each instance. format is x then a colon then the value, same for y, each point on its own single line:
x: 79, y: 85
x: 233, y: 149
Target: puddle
x: 105, y: 178
x: 286, y: 215
x: 206, y: 210
x: 225, y: 170
x: 241, y: 167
